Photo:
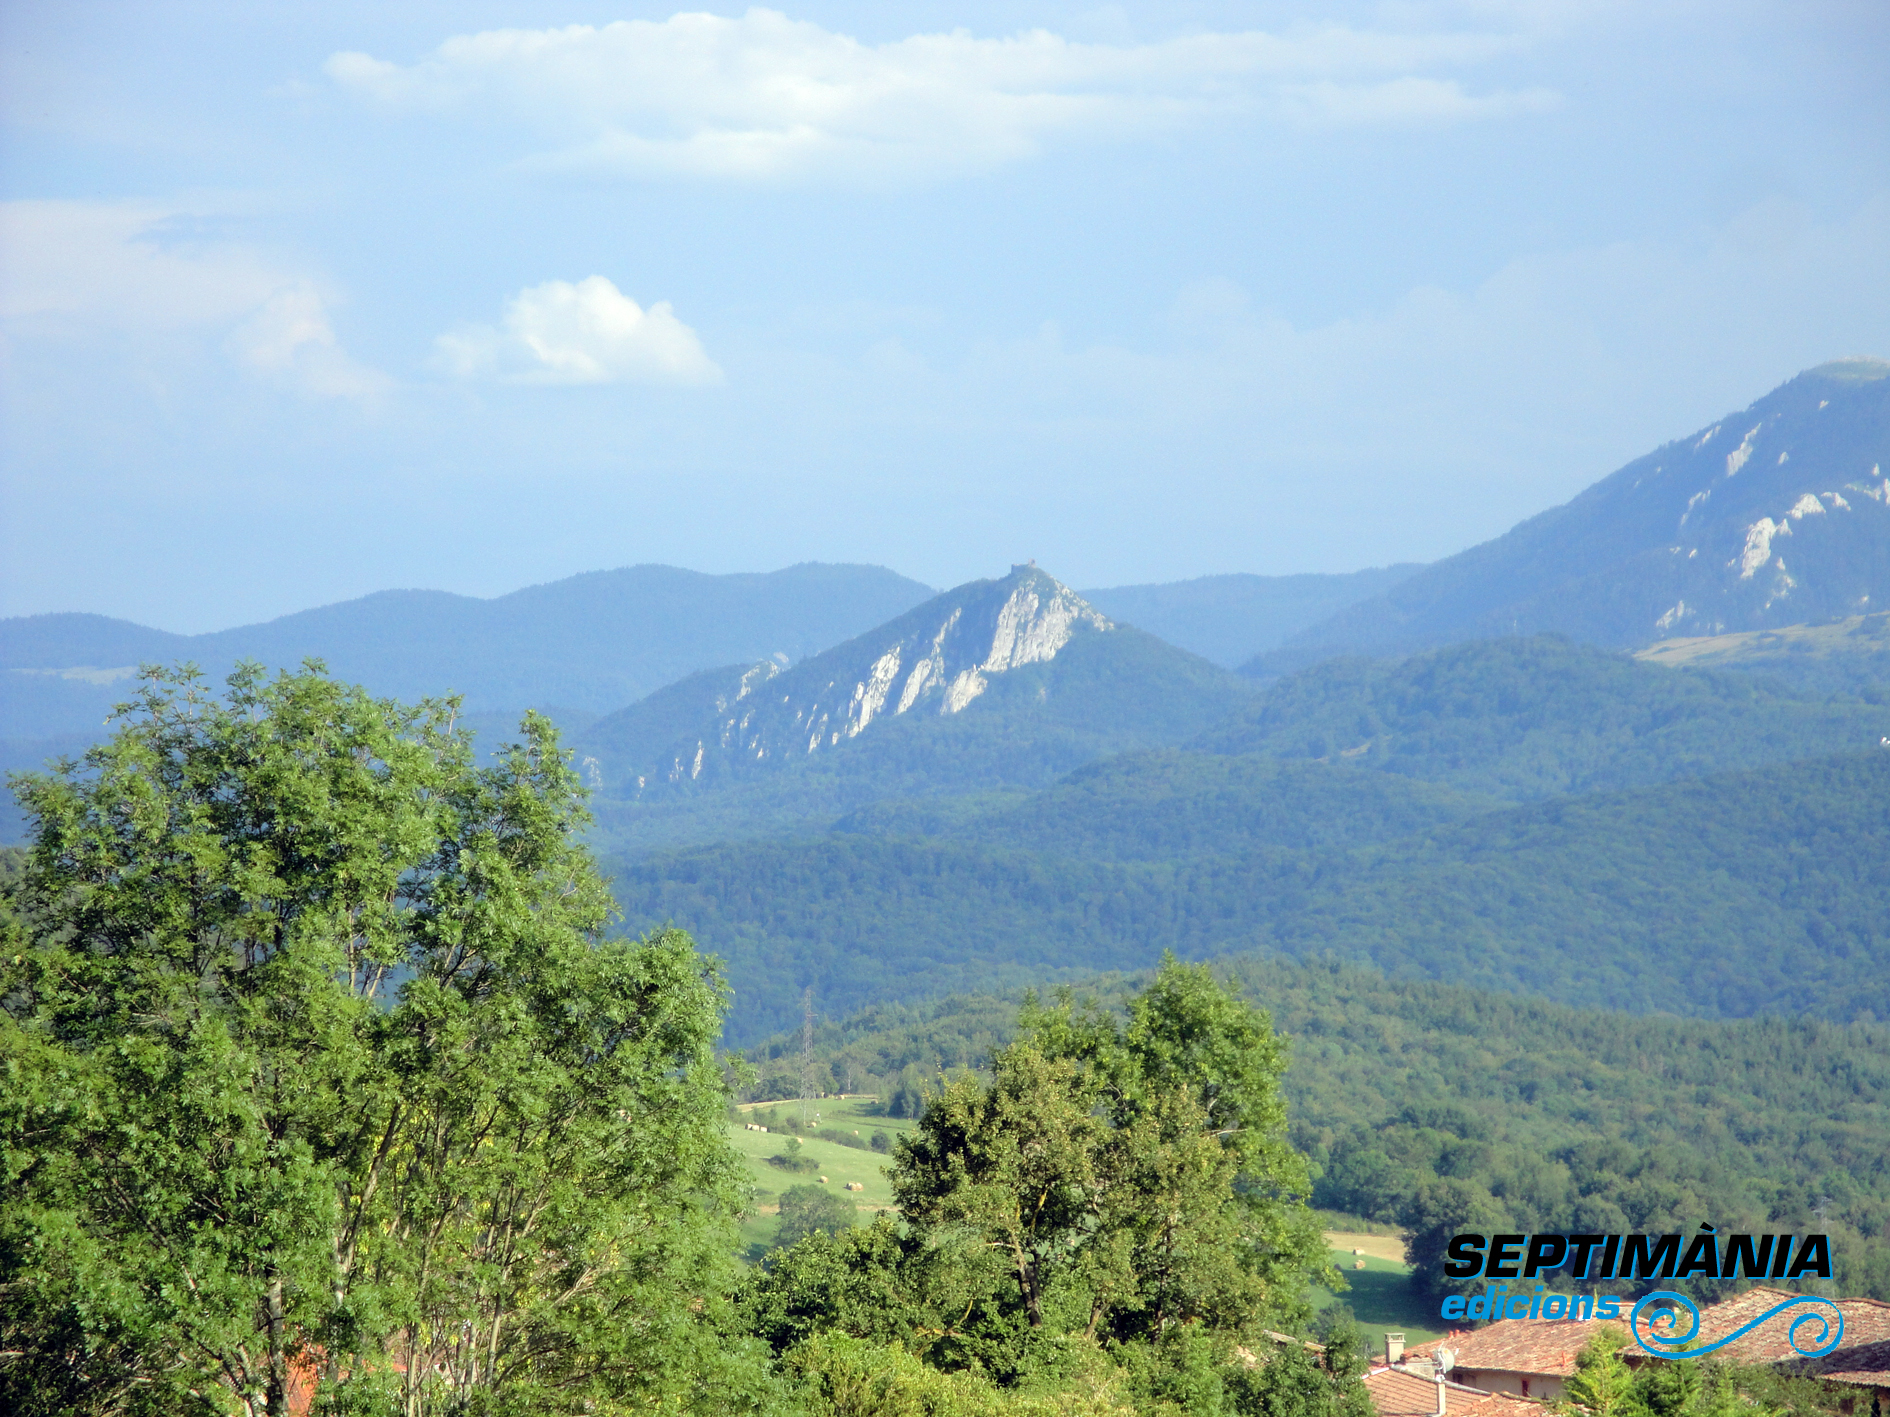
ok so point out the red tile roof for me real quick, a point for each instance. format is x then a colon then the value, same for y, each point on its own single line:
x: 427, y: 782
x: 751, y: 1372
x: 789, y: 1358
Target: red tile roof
x: 1535, y: 1346
x: 1401, y: 1394
x: 1867, y: 1365
x: 1866, y: 1323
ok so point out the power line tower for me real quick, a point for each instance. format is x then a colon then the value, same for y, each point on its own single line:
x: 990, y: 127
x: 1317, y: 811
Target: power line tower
x: 807, y: 1049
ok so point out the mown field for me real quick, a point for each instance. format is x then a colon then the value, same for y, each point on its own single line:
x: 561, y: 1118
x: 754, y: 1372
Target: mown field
x: 839, y: 1164
x: 1380, y: 1297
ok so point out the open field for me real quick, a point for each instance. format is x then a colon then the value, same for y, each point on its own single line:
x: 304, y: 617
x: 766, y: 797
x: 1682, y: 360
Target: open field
x: 1377, y: 1247
x: 1380, y: 1296
x: 839, y: 1164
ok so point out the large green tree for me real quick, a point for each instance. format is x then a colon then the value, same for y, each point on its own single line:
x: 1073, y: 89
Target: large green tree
x: 318, y: 1065
x: 1140, y: 1164
x: 1115, y: 1191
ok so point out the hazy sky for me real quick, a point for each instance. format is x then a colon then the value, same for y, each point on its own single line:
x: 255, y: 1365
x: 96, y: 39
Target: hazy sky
x: 300, y: 301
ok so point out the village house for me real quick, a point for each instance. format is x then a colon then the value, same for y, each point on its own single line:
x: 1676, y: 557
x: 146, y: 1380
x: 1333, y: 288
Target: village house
x: 1403, y: 1392
x: 1520, y: 1357
x: 1536, y: 1358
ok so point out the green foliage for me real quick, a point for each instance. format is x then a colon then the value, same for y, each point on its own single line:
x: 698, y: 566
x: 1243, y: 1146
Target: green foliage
x: 854, y: 1378
x: 807, y: 1209
x: 1143, y: 1168
x: 1097, y: 1225
x: 1167, y: 804
x: 1763, y: 882
x: 791, y: 1159
x: 1425, y: 1105
x: 1606, y: 1386
x: 1526, y: 719
x: 317, y: 1061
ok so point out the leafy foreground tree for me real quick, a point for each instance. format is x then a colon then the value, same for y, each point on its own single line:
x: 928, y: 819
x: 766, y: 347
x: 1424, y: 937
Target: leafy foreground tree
x: 1112, y: 1216
x: 807, y: 1209
x: 318, y: 1066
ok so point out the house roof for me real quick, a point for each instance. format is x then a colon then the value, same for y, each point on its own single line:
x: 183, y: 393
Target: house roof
x: 1866, y: 1324
x: 1396, y: 1393
x: 1540, y: 1347
x: 1867, y: 1365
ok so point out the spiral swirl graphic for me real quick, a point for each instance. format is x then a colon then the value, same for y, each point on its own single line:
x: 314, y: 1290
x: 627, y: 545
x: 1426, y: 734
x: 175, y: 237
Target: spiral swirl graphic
x: 1672, y: 1344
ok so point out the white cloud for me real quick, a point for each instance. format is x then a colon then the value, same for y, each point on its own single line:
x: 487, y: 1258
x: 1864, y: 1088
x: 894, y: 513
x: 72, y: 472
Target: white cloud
x: 291, y: 340
x: 587, y: 333
x: 765, y: 97
x: 87, y: 271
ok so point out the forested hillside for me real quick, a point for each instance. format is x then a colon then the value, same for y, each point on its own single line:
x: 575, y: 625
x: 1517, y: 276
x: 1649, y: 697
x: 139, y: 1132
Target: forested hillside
x: 1749, y: 892
x: 1527, y: 719
x: 1433, y: 1106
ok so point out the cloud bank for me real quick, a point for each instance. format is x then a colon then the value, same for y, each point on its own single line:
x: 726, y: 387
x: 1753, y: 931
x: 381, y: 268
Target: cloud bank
x: 587, y: 333
x: 766, y: 98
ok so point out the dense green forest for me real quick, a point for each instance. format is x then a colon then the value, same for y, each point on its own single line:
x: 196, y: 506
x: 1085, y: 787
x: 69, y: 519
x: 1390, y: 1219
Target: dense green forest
x: 1763, y: 891
x: 1431, y: 1106
x: 1526, y: 719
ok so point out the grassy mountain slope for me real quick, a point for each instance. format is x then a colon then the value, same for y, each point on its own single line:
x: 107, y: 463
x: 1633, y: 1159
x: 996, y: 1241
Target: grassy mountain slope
x: 1229, y: 619
x: 1416, y: 1100
x: 1533, y: 718
x: 1850, y: 656
x: 1775, y: 515
x: 1765, y: 890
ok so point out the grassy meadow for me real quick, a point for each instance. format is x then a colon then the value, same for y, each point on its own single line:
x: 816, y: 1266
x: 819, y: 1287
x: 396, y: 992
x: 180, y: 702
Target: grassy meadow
x: 839, y: 1164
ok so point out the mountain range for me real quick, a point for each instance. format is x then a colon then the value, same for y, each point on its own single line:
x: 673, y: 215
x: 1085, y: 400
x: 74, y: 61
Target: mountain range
x: 1230, y: 619
x: 590, y: 643
x: 1524, y: 814
x: 1778, y: 514
x: 840, y: 779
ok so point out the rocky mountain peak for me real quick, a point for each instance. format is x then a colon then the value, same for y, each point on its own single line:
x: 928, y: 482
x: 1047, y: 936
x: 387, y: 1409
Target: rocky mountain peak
x: 938, y: 658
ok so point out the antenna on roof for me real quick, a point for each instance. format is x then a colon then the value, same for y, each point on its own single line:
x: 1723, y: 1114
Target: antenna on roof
x: 1441, y: 1359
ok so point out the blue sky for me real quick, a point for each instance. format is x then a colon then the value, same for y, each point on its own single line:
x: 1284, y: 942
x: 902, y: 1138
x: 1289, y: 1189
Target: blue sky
x: 299, y: 302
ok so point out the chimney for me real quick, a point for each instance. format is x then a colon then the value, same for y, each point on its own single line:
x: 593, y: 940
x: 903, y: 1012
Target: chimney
x: 1394, y: 1348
